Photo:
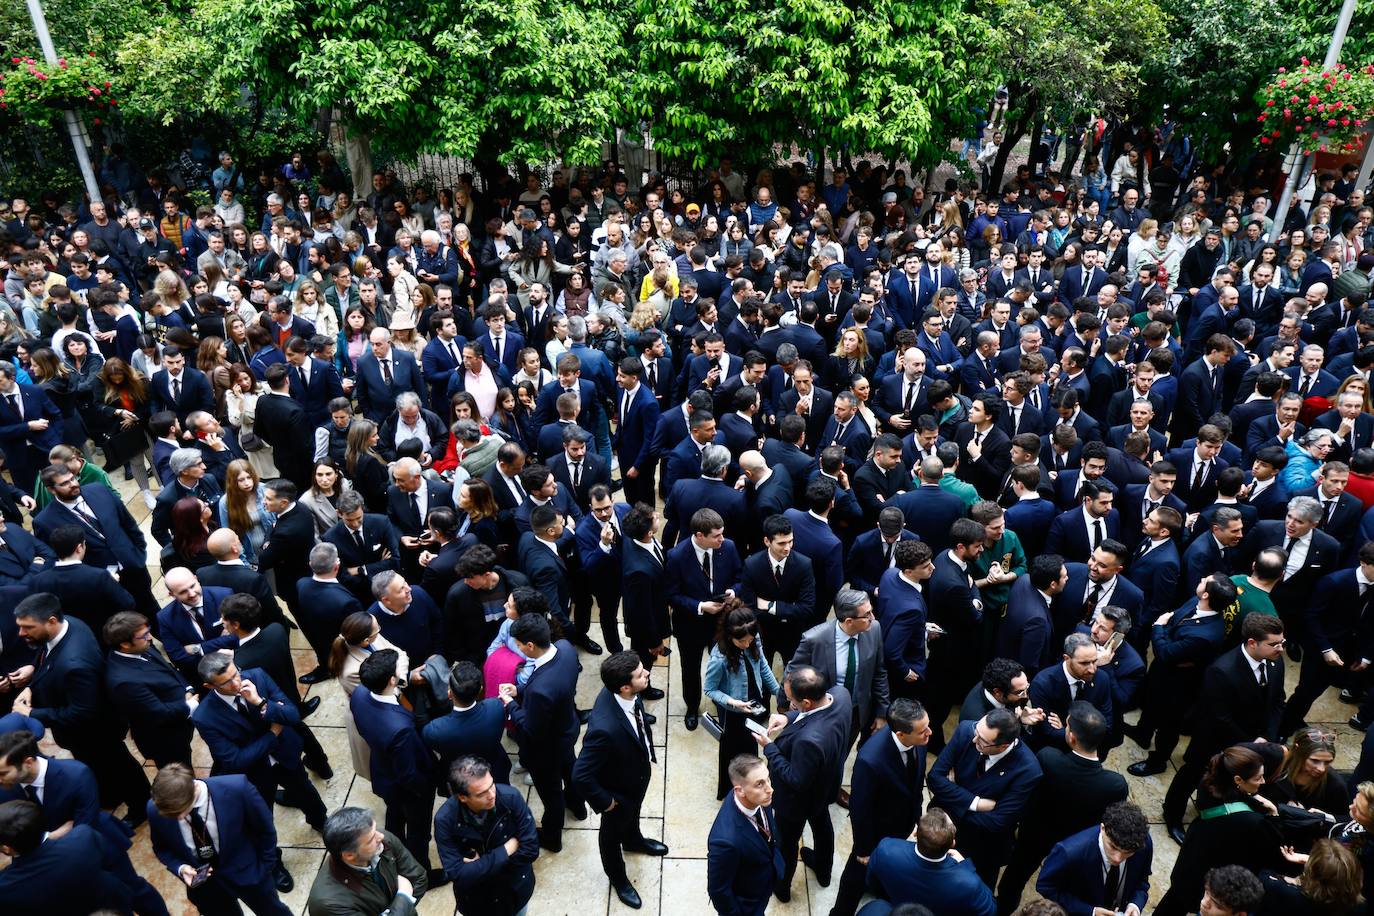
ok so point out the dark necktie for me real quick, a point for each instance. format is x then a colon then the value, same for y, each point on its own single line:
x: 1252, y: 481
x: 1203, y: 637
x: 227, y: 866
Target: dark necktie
x: 200, y: 835
x: 1097, y: 533
x: 176, y: 390
x: 851, y: 665
x: 1035, y: 398
x: 982, y: 764
x: 912, y: 773
x: 500, y: 346
x: 415, y: 506
x: 1199, y: 476
x: 658, y: 552
x: 250, y: 715
x: 1090, y: 603
x: 452, y: 354
x: 300, y: 377
x: 1263, y: 676
x: 777, y: 573
x: 653, y: 375
x: 386, y: 371
x: 643, y: 731
x: 761, y: 823
x: 706, y: 569
x: 32, y: 792
x: 1327, y: 508
x: 576, y: 474
x: 910, y: 396
x: 1288, y: 548
x: 1111, y: 888
x: 978, y: 440
x: 887, y: 554
x: 358, y: 539
x: 1305, y: 386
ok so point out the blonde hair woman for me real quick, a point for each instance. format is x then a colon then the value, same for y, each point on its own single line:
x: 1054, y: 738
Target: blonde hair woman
x: 241, y: 508
x: 311, y: 306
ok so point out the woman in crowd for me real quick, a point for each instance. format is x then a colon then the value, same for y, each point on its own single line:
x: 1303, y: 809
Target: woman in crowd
x: 365, y: 467
x: 310, y: 305
x: 1306, y: 778
x: 241, y: 509
x: 359, y: 636
x: 1330, y: 884
x: 327, y: 484
x: 190, y: 526
x: 851, y: 358
x: 240, y: 409
x: 740, y: 683
x: 353, y: 338
x: 62, y: 387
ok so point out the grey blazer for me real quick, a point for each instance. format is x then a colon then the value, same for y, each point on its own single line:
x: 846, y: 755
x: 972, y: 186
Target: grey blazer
x: 817, y: 649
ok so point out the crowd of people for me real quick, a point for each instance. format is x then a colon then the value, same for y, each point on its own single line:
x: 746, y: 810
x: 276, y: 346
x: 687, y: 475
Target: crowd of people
x: 957, y: 483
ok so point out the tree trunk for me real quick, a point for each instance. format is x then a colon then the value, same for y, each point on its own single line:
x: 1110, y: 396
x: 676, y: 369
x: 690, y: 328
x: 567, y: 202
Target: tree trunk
x: 1014, y: 132
x: 358, y: 152
x: 1037, y: 131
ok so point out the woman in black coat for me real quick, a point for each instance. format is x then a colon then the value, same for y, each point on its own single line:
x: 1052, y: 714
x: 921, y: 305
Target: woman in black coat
x: 365, y: 467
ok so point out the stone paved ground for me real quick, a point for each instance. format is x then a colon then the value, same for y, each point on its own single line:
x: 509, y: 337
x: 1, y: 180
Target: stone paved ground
x: 679, y: 809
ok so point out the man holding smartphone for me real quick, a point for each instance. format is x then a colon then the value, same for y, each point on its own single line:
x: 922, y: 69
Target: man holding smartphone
x: 216, y: 835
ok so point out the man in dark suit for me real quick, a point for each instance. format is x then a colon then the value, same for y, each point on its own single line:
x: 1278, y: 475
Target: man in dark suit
x: 779, y: 585
x: 1312, y: 553
x: 881, y: 477
x: 442, y: 356
x: 807, y: 758
x: 985, y: 450
x: 1198, y: 468
x: 180, y: 388
x: 546, y: 723
x: 1155, y: 567
x: 1353, y: 427
x: 872, y: 553
x: 985, y: 778
x: 1241, y: 700
x: 846, y: 430
x: 547, y: 552
x: 22, y: 556
x: 1094, y: 585
x: 1275, y: 428
x: 816, y: 540
x: 1075, y: 534
x: 706, y: 491
x: 248, y: 725
x: 1339, y: 633
x: 1073, y: 795
x: 645, y: 599
x: 1056, y: 688
x: 500, y: 344
x: 901, y: 609
x: 367, y: 544
x: 889, y: 773
x: 39, y: 878
x: 93, y: 593
x: 189, y: 625
x: 266, y: 646
x: 66, y: 791
x: 66, y: 690
x: 702, y: 569
x: 474, y: 727
x: 600, y: 549
x: 1105, y: 867
x: 1200, y: 388
x: 1185, y: 642
x: 904, y: 395
x: 282, y: 424
x: 1341, y: 511
x: 570, y: 381
x: 1031, y: 514
x: 409, y: 500
x: 402, y: 770
x: 810, y: 402
x: 383, y: 373
x: 153, y: 696
x: 863, y: 674
x: 114, y: 541
x: 287, y: 552
x: 956, y: 606
x: 189, y: 478
x: 929, y: 509
x: 743, y: 858
x: 314, y: 382
x: 929, y: 871
x: 577, y: 469
x: 612, y: 771
x: 683, y: 462
x: 218, y: 821
x: 1026, y: 632
x: 1215, y: 551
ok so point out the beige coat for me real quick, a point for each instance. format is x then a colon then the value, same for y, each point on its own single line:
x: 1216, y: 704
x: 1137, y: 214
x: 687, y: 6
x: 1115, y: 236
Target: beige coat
x: 348, y: 677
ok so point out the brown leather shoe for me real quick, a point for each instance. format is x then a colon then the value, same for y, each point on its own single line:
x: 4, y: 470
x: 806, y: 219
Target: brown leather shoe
x: 842, y: 799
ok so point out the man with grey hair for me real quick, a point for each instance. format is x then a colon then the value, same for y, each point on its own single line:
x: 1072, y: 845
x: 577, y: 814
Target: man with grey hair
x: 324, y: 601
x: 848, y: 652
x: 368, y: 870
x: 435, y: 262
x: 217, y: 448
x: 383, y: 373
x: 408, y: 616
x: 188, y: 479
x: 408, y: 501
x: 1311, y: 554
x: 848, y: 431
x: 490, y: 867
x: 367, y: 544
x: 412, y: 420
x: 1058, y: 687
x: 709, y: 491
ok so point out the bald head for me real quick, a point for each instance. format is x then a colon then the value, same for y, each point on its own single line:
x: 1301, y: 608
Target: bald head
x: 914, y: 362
x: 224, y: 544
x: 178, y: 578
x: 752, y: 462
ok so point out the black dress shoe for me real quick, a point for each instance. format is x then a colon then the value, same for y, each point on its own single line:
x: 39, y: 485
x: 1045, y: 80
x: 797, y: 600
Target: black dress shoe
x: 1146, y: 767
x: 652, y: 693
x: 309, y: 706
x: 628, y: 895
x: 808, y: 857
x: 1356, y: 724
x: 650, y: 718
x: 588, y: 645
x: 578, y: 811
x: 320, y: 673
x: 547, y: 842
x: 783, y: 891
x: 284, y: 800
x: 691, y: 721
x: 1177, y: 834
x: 437, y: 878
x: 1350, y: 698
x: 648, y: 847
x: 282, y: 878
x: 320, y: 768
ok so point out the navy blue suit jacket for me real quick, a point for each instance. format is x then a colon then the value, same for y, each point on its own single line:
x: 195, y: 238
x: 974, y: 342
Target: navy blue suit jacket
x: 42, y: 881
x: 1067, y: 610
x: 687, y: 585
x: 1068, y: 534
x: 929, y: 512
x: 17, y: 563
x: 1156, y: 575
x: 377, y: 399
x: 865, y: 566
x: 401, y: 763
x: 243, y: 748
x: 814, y: 539
x: 1050, y: 691
x: 635, y: 432
x: 69, y: 691
x: 546, y: 405
x: 510, y: 352
x: 741, y: 864
x: 545, y: 717
x: 1072, y: 875
x: 474, y: 731
x: 1010, y: 782
x: 1031, y: 519
x: 855, y: 441
x: 152, y: 695
x: 119, y: 539
x: 601, y: 567
x: 901, y: 610
x: 548, y: 573
x: 898, y: 874
x: 177, y: 631
x: 438, y: 366
x: 379, y: 536
x: 247, y: 836
x: 888, y: 802
x: 693, y: 493
x: 1026, y: 631
x: 324, y: 387
x: 70, y: 794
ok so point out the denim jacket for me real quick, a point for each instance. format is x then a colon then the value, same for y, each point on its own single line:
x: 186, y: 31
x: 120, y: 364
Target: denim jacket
x: 722, y: 684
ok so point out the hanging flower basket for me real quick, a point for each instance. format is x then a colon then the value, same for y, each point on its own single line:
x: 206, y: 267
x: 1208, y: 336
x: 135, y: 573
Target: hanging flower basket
x: 1320, y: 110
x: 37, y: 93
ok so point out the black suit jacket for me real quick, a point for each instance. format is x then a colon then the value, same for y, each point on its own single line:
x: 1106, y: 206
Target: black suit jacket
x: 69, y: 690
x: 151, y: 694
x: 615, y: 763
x: 806, y: 759
x: 594, y: 471
x: 87, y: 592
x: 987, y: 471
x: 1343, y: 522
x: 1323, y: 556
x: 270, y: 650
x: 1071, y: 797
x: 871, y: 481
x: 240, y: 578
x: 288, y: 551
x: 1232, y: 707
x: 282, y: 423
x: 795, y: 593
x: 379, y: 537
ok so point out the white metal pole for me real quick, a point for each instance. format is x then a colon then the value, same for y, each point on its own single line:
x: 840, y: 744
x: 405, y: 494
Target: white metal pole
x: 83, y: 158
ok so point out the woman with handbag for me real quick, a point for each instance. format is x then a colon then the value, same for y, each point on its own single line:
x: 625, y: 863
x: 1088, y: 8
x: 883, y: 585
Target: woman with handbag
x: 739, y: 682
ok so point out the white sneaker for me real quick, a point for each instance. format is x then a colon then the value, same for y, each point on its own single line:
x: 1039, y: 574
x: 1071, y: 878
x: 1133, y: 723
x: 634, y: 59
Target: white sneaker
x: 149, y: 499
x: 529, y: 780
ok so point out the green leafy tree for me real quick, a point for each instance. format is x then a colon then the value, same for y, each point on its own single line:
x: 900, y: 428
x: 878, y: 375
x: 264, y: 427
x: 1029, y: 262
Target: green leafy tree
x: 1065, y: 61
x: 885, y: 76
